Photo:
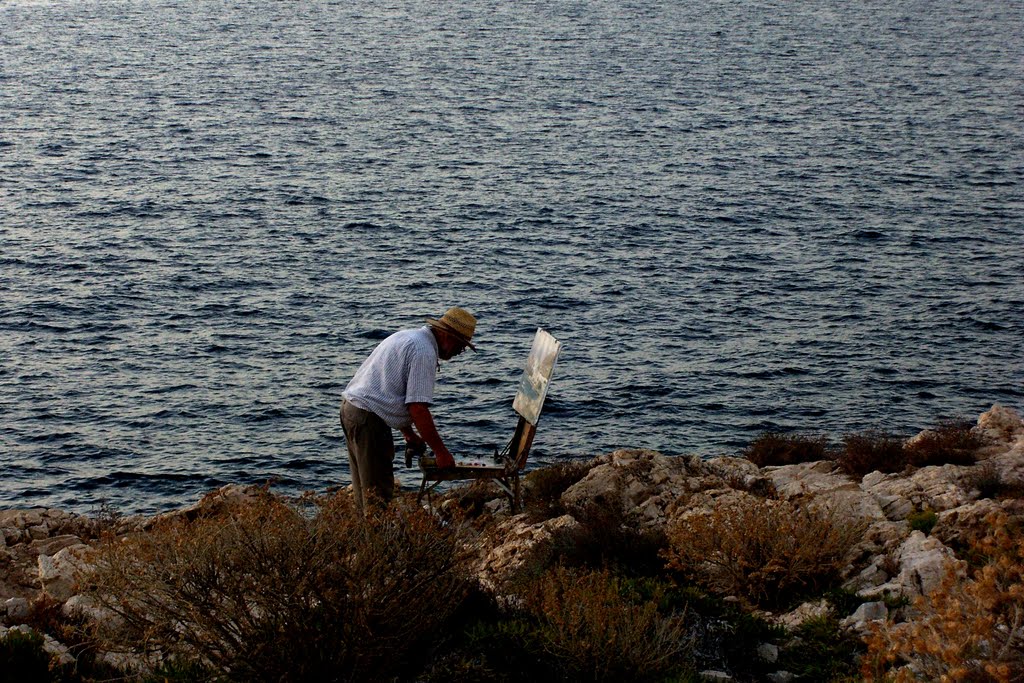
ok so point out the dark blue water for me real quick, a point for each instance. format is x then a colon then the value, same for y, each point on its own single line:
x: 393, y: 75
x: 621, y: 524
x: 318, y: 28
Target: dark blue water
x: 737, y: 216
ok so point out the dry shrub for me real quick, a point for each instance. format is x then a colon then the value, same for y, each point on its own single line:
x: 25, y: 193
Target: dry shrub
x: 871, y: 451
x: 607, y: 537
x: 544, y: 488
x: 773, y: 448
x: 954, y: 442
x: 266, y: 593
x: 596, y: 629
x: 970, y: 629
x: 766, y: 552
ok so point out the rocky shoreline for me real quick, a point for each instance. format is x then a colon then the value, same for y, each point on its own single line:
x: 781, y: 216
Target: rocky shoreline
x: 43, y: 552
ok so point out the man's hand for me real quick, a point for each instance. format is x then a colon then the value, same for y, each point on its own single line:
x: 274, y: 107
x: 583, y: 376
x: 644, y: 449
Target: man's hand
x: 425, y: 428
x: 413, y: 441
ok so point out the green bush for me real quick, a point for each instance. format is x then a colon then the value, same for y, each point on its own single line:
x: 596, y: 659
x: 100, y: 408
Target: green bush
x: 266, y: 593
x: 822, y: 652
x: 773, y: 448
x: 23, y: 659
x: 923, y: 520
x: 871, y: 451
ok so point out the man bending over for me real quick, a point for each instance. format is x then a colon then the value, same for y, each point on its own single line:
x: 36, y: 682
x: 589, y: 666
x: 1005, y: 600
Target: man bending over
x: 393, y: 389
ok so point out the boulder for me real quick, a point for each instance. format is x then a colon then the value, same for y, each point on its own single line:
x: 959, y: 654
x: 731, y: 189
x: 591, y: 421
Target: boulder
x: 958, y: 526
x: 21, y: 519
x: 57, y: 650
x: 808, y: 610
x: 867, y: 614
x: 58, y: 574
x: 642, y: 484
x: 16, y: 609
x: 768, y: 652
x: 11, y: 535
x: 922, y: 562
x: 740, y: 473
x: 1007, y: 467
x: 214, y: 503
x: 87, y: 607
x: 935, y: 488
x: 51, y: 545
x: 520, y: 544
x: 1001, y: 424
x: 809, y: 479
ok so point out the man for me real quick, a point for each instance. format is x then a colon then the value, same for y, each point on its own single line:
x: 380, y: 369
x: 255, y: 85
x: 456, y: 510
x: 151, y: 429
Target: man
x: 393, y: 389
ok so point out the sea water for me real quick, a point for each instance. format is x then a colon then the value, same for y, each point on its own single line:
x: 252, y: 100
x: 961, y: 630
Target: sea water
x: 736, y: 216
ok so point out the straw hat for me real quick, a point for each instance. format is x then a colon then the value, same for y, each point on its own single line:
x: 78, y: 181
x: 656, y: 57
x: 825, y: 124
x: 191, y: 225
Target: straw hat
x: 458, y: 322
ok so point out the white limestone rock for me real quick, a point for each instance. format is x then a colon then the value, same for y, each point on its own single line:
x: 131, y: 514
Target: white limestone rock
x: 959, y: 525
x: 923, y: 562
x: 808, y: 610
x: 1008, y: 466
x: 867, y: 614
x: 16, y: 609
x: 641, y: 483
x: 850, y: 503
x: 58, y: 574
x: 11, y: 535
x: 809, y: 479
x: 57, y: 651
x: 54, y: 544
x: 520, y: 544
x: 1001, y: 424
x: 740, y: 472
x: 21, y: 519
x: 935, y: 488
x: 87, y: 607
x: 216, y: 502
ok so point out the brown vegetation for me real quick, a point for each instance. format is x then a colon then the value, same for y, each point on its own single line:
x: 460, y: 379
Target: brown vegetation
x: 545, y: 486
x: 767, y: 552
x: 268, y: 593
x: 773, y: 448
x: 598, y: 631
x: 971, y: 629
x: 871, y: 451
x: 953, y: 442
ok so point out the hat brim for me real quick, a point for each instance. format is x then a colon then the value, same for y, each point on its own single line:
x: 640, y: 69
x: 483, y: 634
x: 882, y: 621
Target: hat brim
x: 452, y: 331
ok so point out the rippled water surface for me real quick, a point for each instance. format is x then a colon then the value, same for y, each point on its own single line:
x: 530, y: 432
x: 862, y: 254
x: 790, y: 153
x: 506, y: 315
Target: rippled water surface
x: 735, y: 215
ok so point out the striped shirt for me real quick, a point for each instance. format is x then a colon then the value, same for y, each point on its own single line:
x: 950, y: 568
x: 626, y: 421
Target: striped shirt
x: 400, y: 371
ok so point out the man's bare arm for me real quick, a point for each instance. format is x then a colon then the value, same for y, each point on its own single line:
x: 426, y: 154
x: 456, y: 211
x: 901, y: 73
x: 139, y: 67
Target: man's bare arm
x: 424, y: 421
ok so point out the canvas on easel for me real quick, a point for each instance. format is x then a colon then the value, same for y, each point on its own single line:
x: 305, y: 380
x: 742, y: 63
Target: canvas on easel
x: 528, y: 402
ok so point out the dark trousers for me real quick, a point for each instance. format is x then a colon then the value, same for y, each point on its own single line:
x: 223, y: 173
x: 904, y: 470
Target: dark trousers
x: 371, y: 453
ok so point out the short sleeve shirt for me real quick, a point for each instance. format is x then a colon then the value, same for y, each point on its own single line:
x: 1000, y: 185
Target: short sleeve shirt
x: 401, y: 370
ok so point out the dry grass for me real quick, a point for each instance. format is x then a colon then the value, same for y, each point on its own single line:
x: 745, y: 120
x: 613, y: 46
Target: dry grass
x: 266, y: 593
x: 598, y: 631
x: 766, y: 552
x: 971, y: 629
x: 544, y: 487
x: 871, y: 451
x: 953, y: 442
x: 773, y: 448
